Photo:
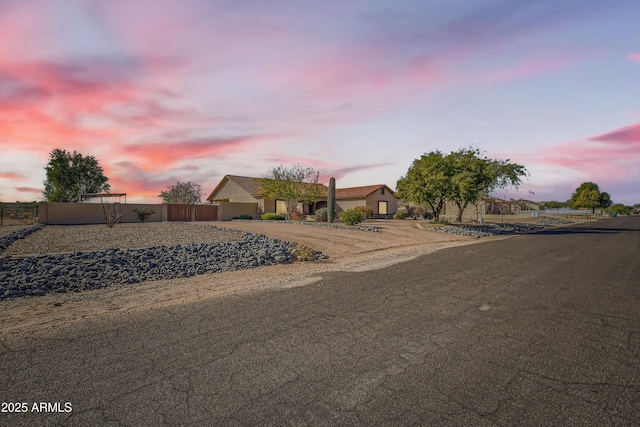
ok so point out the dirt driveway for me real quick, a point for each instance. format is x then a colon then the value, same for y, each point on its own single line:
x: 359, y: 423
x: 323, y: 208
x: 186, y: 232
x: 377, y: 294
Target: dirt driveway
x: 348, y: 250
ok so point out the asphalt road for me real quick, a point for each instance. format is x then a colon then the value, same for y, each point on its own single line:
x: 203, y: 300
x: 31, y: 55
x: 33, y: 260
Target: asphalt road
x: 541, y: 329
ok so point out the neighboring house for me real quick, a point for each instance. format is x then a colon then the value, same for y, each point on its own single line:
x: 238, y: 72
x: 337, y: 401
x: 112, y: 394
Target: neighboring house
x: 528, y: 205
x: 496, y: 206
x: 232, y: 188
x: 380, y: 198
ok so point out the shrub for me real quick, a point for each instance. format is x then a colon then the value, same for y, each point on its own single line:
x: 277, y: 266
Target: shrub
x: 144, y: 213
x: 322, y: 215
x: 418, y: 212
x: 297, y: 216
x: 12, y: 216
x: 303, y: 252
x: 367, y: 212
x: 351, y: 217
x: 243, y: 216
x: 271, y: 216
x: 401, y: 215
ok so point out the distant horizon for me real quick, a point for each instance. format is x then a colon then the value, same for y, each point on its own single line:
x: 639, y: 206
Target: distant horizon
x: 357, y: 90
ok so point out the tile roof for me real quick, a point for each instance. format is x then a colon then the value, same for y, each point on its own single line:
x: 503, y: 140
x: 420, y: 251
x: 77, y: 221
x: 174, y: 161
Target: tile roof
x: 357, y: 192
x: 252, y: 185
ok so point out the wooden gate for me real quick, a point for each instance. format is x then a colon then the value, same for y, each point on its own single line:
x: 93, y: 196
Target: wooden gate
x: 206, y: 213
x: 188, y: 213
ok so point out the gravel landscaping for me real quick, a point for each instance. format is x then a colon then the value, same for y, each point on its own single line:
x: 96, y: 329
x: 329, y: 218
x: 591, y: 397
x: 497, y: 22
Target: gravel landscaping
x: 102, y: 257
x: 318, y: 224
x: 488, y: 230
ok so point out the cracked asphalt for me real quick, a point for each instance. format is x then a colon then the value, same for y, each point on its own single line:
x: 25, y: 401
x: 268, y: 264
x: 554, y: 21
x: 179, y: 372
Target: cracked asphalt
x: 539, y: 329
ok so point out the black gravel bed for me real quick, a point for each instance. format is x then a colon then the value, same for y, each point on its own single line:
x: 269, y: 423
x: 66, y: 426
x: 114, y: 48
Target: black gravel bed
x: 7, y: 240
x: 489, y: 230
x: 76, y: 271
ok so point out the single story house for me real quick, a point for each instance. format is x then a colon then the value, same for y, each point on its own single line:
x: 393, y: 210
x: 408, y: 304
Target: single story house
x: 380, y: 198
x: 232, y: 188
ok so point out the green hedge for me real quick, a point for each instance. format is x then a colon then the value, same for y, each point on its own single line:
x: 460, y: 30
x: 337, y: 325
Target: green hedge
x: 401, y: 215
x: 270, y: 216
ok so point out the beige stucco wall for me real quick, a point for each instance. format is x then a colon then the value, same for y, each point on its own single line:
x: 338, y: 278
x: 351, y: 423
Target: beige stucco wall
x: 392, y: 201
x: 235, y: 193
x: 266, y: 205
x: 228, y: 210
x: 55, y: 213
x: 346, y: 204
x: 371, y: 201
x: 450, y: 212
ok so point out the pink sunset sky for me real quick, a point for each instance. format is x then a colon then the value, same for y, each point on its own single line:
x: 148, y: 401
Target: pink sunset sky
x: 160, y: 91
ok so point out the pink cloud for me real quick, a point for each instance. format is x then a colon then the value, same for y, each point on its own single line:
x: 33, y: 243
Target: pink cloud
x: 164, y: 154
x: 10, y: 175
x: 634, y: 57
x: 625, y: 134
x: 29, y: 190
x: 608, y: 158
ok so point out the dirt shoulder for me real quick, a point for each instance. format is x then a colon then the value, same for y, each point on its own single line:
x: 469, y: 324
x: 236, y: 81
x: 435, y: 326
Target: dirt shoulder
x: 348, y: 250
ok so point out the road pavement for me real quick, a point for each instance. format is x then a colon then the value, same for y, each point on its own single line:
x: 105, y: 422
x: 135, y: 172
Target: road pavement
x: 540, y: 329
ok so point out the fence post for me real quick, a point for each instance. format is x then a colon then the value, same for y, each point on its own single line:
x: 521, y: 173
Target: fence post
x: 1, y: 216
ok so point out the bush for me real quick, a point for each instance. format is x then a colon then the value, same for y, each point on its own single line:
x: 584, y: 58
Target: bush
x: 401, y: 215
x: 367, y: 212
x: 271, y: 216
x: 322, y: 215
x: 351, y: 217
x: 297, y: 216
x: 144, y: 213
x: 418, y: 212
x: 243, y: 216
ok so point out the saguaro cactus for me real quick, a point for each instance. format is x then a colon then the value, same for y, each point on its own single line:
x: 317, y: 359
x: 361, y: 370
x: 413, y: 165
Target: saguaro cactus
x: 331, y: 202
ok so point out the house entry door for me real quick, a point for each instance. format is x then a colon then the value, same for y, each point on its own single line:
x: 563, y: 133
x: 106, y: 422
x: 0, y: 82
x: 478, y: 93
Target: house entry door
x: 382, y: 208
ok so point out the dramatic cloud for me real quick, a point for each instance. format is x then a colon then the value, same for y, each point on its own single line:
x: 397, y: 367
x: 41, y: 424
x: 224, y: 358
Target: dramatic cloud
x: 10, y: 175
x: 625, y: 134
x: 29, y: 190
x: 165, y: 154
x: 161, y: 91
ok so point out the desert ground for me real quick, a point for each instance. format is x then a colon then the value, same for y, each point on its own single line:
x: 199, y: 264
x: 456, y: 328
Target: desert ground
x: 348, y: 250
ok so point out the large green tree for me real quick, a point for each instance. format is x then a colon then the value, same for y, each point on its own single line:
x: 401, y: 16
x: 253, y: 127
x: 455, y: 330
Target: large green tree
x: 588, y: 195
x: 474, y: 176
x: 185, y: 193
x: 68, y: 175
x: 293, y: 184
x: 427, y: 183
x: 461, y: 177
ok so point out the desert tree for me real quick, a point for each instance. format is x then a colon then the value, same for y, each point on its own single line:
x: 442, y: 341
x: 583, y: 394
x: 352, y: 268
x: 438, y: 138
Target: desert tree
x: 588, y: 195
x: 462, y: 177
x: 292, y: 184
x: 185, y: 193
x: 473, y: 176
x: 427, y: 183
x: 68, y: 175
